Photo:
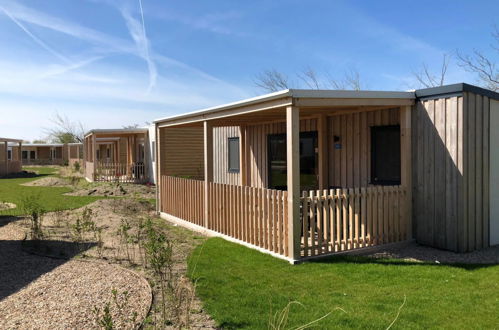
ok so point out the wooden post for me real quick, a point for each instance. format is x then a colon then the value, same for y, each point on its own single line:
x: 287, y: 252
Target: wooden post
x: 20, y: 153
x: 94, y: 155
x: 208, y: 168
x: 293, y: 178
x: 406, y: 164
x: 323, y: 152
x: 6, y: 157
x: 242, y: 156
x: 158, y: 160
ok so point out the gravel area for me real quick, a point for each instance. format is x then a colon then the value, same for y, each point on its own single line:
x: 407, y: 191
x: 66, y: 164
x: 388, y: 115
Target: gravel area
x: 44, y: 293
x: 49, y: 181
x: 418, y: 253
x: 7, y: 206
x: 113, y: 189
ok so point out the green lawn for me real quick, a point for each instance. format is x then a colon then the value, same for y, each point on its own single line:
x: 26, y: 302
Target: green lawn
x: 52, y: 198
x: 240, y: 288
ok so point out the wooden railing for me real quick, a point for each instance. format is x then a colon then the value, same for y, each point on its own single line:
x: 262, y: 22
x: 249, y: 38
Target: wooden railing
x: 120, y: 172
x: 183, y: 198
x: 347, y: 219
x: 254, y: 215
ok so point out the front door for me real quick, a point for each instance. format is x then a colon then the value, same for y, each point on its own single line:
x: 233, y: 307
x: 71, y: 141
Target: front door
x: 276, y: 153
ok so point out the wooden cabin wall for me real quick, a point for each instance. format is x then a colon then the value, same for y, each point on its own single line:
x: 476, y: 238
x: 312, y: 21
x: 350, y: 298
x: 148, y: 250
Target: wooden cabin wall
x: 350, y: 165
x: 43, y: 152
x: 123, y: 150
x: 220, y: 155
x: 450, y: 172
x: 257, y: 161
x: 182, y: 152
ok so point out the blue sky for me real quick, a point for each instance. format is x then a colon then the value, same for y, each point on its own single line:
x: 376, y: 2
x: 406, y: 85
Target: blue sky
x: 112, y: 63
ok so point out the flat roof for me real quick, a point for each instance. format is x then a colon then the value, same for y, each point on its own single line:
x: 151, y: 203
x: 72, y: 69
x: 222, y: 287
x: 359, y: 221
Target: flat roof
x: 2, y: 139
x: 455, y: 89
x: 43, y: 145
x: 117, y: 130
x: 297, y: 94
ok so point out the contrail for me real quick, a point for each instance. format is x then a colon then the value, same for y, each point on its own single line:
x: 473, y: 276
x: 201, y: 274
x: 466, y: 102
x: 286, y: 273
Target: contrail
x: 150, y: 64
x: 36, y: 39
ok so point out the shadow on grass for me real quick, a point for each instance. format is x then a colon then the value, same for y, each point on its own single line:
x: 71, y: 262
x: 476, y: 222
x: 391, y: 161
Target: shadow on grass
x: 18, y: 269
x: 24, y: 175
x: 395, y: 262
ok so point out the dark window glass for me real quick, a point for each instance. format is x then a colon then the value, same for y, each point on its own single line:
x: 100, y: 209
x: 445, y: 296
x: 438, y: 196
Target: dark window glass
x: 32, y: 154
x: 233, y: 154
x: 278, y: 161
x: 9, y: 154
x: 25, y: 154
x: 385, y: 155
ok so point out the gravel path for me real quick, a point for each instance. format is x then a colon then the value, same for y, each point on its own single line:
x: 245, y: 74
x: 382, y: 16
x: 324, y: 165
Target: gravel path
x: 415, y: 252
x: 44, y: 293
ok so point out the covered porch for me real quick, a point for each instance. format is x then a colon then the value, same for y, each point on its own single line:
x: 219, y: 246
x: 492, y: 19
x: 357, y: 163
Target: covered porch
x: 10, y: 156
x: 116, y: 155
x: 297, y: 174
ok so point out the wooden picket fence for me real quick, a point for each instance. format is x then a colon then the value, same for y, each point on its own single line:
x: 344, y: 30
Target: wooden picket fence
x: 254, y: 215
x: 120, y: 172
x: 183, y: 198
x: 347, y: 219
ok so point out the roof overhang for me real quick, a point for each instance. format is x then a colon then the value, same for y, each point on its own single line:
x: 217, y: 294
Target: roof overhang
x: 10, y: 140
x: 117, y: 131
x: 305, y: 99
x: 43, y: 145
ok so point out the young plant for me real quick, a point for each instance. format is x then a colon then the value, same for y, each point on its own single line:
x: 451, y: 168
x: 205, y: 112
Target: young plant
x: 32, y: 207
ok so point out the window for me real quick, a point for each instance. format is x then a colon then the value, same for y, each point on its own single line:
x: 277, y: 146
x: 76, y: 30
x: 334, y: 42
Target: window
x: 233, y: 143
x: 25, y: 154
x: 9, y: 154
x: 108, y: 152
x: 385, y: 155
x: 277, y: 161
x: 32, y: 154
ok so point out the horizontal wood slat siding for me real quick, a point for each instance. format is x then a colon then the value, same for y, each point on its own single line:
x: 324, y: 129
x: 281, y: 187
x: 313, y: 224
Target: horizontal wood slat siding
x: 253, y: 215
x: 221, y: 172
x: 183, y: 198
x: 182, y: 152
x: 450, y: 172
x: 350, y: 165
x: 347, y: 219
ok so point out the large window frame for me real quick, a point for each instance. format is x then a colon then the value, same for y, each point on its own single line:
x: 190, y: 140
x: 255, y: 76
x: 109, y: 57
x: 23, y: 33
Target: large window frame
x: 233, y: 168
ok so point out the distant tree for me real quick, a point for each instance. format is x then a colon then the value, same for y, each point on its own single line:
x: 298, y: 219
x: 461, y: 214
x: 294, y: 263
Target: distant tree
x: 273, y: 80
x: 131, y: 126
x: 65, y: 130
x: 39, y: 141
x: 483, y: 65
x: 427, y: 78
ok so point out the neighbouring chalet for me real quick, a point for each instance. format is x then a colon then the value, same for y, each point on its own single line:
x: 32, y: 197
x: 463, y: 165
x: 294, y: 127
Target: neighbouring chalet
x: 121, y: 155
x: 10, y: 156
x: 303, y: 173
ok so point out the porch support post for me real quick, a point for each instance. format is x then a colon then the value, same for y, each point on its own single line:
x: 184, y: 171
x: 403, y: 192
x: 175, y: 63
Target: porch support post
x: 20, y: 153
x: 323, y: 154
x: 406, y: 164
x: 293, y: 178
x: 6, y: 156
x: 157, y: 163
x: 94, y: 156
x: 208, y: 168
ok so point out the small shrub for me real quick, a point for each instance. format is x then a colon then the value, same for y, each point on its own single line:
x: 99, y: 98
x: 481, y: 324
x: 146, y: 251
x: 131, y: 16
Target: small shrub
x: 32, y: 207
x: 77, y: 166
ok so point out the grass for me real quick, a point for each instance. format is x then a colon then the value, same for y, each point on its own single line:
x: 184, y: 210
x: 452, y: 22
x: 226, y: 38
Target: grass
x: 241, y: 288
x: 52, y: 198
